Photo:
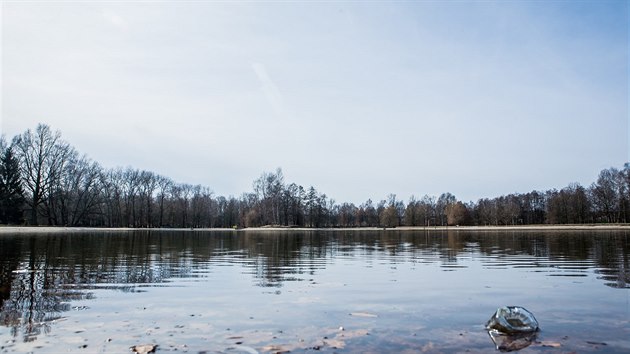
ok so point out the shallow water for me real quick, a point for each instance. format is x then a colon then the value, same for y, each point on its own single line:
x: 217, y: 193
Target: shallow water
x: 329, y: 291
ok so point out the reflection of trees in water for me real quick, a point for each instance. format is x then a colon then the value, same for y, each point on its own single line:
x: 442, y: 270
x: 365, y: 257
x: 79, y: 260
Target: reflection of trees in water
x: 568, y: 253
x: 41, y: 274
x: 274, y: 258
x: 32, y: 298
x: 612, y: 256
x: 571, y: 251
x: 32, y: 305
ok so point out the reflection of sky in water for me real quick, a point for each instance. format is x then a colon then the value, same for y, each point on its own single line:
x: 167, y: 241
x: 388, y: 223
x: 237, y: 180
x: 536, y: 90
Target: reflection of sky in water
x: 409, y: 291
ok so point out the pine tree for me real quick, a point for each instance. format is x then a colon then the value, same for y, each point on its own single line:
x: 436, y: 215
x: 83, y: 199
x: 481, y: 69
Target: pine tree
x: 11, y: 192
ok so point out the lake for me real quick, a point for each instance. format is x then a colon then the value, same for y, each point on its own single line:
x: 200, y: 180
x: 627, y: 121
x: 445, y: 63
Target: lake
x: 311, y: 291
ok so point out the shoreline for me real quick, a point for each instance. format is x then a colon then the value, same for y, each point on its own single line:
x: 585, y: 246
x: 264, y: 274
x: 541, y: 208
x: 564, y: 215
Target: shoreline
x: 62, y: 229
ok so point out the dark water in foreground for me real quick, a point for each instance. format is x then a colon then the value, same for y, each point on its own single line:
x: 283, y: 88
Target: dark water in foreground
x: 246, y: 292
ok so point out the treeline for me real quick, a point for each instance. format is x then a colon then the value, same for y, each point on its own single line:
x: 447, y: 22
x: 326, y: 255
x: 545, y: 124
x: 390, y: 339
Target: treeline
x: 46, y: 181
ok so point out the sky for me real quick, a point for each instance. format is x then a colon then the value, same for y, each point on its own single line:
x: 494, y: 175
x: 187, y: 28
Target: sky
x: 358, y: 99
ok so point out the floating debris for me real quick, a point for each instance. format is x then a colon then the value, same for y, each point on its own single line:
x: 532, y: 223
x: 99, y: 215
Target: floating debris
x: 143, y: 348
x: 512, y: 320
x: 512, y: 328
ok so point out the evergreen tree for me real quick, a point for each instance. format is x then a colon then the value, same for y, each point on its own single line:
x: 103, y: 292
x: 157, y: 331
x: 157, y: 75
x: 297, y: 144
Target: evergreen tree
x: 11, y: 192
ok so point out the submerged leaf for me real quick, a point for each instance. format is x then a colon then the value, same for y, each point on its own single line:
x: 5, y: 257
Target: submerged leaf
x: 547, y: 343
x: 143, y: 348
x: 353, y: 334
x: 276, y: 349
x: 363, y: 314
x: 246, y: 349
x: 335, y: 343
x: 595, y: 343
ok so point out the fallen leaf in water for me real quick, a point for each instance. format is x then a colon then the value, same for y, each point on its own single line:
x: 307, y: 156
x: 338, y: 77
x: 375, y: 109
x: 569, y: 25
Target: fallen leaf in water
x: 144, y: 348
x: 596, y: 343
x: 546, y: 343
x: 362, y: 314
x: 335, y: 343
x: 429, y: 347
x: 339, y: 341
x: 275, y: 349
x: 246, y: 349
x: 353, y: 334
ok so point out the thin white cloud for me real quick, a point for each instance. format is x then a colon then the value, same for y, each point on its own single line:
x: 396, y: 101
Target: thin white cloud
x: 115, y: 19
x: 271, y: 90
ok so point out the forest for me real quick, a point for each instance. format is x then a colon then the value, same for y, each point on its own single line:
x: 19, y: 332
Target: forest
x: 46, y: 181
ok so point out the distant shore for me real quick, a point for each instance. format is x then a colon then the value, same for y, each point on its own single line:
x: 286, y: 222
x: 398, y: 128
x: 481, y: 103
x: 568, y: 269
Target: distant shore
x: 61, y: 229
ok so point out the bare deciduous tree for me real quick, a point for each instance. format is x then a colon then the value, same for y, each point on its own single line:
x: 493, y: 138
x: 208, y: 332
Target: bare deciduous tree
x: 42, y: 154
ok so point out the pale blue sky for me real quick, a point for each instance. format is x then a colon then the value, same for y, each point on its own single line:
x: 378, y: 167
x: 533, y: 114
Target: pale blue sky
x: 357, y: 99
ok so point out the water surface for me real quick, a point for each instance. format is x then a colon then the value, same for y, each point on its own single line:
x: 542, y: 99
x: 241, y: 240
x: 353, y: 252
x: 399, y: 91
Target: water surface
x: 329, y: 291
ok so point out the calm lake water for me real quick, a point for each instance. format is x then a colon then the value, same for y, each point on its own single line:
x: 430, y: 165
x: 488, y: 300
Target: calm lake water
x: 326, y: 291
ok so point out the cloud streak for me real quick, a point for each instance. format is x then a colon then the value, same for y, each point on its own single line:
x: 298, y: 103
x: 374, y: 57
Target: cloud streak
x: 270, y: 90
x: 115, y: 20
